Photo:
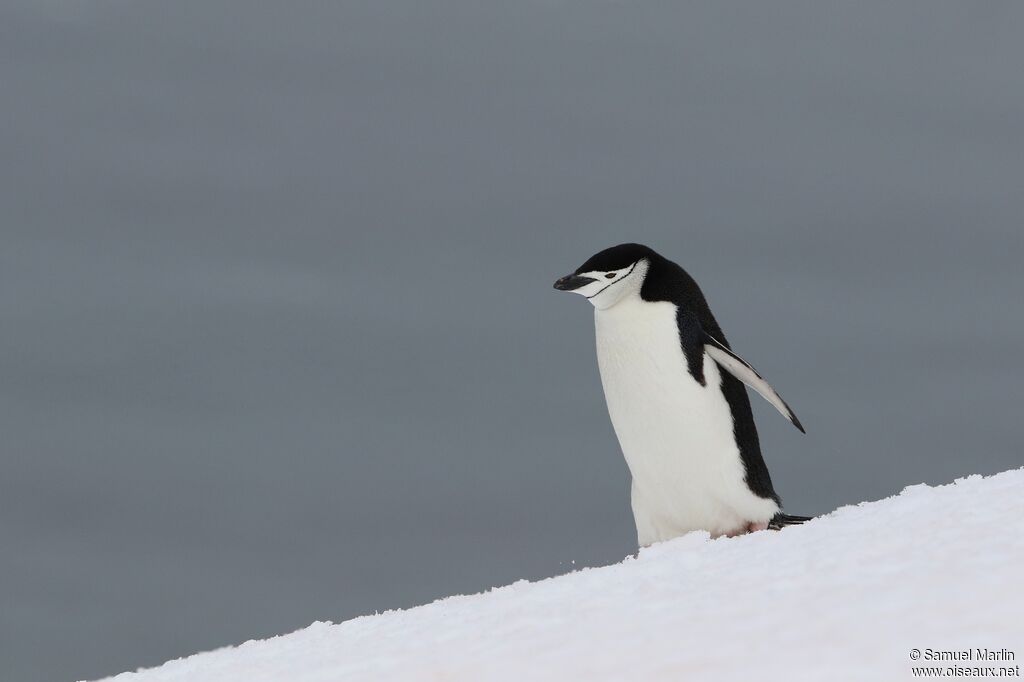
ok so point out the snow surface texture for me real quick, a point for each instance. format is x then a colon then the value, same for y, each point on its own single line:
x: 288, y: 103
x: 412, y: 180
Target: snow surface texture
x: 843, y: 597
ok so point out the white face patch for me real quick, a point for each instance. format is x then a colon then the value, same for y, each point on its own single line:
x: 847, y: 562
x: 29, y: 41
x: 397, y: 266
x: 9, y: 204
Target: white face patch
x: 611, y: 286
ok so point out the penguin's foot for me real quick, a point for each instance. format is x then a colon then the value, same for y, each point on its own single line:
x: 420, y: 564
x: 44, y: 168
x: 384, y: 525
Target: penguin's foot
x: 751, y: 527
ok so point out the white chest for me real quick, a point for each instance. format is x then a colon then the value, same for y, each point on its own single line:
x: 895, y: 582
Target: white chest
x: 676, y: 435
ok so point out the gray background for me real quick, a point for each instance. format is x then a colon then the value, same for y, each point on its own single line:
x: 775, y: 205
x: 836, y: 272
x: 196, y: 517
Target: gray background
x: 277, y: 335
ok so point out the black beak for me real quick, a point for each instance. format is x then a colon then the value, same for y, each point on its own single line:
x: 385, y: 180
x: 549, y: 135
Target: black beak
x: 571, y: 282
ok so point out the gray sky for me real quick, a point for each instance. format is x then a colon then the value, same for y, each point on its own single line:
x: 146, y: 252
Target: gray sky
x: 277, y: 335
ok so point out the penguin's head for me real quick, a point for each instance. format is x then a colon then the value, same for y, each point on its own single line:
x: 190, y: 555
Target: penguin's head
x: 610, y: 276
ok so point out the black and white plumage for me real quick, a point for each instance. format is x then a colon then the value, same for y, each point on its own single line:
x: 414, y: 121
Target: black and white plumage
x: 676, y: 398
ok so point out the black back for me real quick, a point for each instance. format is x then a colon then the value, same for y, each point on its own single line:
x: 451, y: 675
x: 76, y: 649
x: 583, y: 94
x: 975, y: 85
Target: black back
x: 667, y: 281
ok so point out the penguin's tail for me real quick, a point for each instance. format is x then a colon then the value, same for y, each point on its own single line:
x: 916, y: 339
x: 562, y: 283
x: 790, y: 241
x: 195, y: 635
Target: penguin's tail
x: 781, y: 520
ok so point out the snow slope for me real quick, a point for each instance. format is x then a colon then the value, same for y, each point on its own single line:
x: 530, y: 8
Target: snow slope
x: 844, y: 597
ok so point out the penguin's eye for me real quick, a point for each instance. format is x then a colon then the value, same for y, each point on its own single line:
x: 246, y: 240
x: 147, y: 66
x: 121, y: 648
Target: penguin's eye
x: 610, y: 275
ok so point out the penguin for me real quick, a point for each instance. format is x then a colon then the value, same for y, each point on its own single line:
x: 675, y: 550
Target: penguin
x: 676, y: 397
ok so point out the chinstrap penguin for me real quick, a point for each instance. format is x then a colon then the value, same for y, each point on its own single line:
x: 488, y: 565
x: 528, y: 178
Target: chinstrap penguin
x: 676, y: 399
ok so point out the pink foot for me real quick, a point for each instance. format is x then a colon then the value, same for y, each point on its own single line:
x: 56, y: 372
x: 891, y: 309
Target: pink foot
x: 751, y: 527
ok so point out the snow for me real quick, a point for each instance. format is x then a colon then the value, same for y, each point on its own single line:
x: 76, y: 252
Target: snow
x: 843, y: 597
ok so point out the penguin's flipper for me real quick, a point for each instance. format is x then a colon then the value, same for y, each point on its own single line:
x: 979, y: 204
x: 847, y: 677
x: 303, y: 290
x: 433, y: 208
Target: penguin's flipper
x: 742, y: 370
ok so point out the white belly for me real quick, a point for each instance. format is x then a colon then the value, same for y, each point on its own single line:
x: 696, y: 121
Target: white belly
x: 676, y: 435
